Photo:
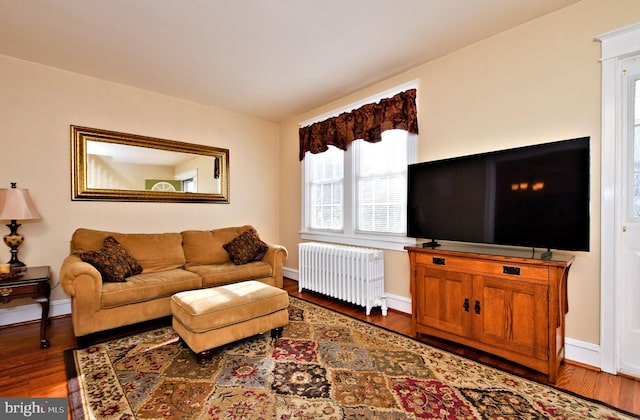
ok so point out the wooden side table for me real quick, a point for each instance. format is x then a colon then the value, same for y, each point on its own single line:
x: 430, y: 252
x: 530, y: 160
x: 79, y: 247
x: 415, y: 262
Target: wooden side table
x: 33, y: 283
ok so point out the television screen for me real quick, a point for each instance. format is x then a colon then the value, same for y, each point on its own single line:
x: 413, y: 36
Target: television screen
x: 535, y: 196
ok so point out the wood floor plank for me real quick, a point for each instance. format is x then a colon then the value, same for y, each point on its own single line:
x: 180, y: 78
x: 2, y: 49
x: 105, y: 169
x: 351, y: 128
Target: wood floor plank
x: 29, y: 371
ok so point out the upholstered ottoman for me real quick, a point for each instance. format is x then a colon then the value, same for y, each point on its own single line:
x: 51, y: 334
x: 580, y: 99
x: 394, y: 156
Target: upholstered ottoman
x: 208, y: 318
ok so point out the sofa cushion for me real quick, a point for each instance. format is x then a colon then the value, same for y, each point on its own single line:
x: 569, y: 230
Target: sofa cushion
x: 87, y: 240
x: 207, y: 246
x: 153, y: 251
x: 217, y: 274
x: 148, y: 286
x: 113, y: 261
x: 246, y: 247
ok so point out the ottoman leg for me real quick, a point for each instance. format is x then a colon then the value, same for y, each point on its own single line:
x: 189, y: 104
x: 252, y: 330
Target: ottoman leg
x: 204, y: 357
x: 277, y: 332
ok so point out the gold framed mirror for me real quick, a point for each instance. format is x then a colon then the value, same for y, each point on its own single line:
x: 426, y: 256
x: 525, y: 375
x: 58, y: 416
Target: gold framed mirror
x: 111, y: 166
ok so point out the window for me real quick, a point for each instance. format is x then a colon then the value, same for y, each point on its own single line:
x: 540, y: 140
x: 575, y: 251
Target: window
x: 358, y: 197
x: 326, y: 176
x: 381, y: 183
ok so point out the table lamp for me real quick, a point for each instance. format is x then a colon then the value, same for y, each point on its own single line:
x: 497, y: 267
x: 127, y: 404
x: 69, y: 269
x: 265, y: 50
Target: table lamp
x: 16, y: 204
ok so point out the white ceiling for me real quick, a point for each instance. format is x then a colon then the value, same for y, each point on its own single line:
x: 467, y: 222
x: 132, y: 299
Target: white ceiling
x: 272, y: 59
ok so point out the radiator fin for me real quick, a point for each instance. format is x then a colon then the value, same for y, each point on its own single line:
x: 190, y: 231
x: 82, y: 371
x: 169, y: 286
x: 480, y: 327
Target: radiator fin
x: 352, y: 274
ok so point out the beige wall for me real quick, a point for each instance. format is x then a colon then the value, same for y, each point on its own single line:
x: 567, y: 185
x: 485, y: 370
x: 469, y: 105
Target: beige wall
x: 37, y: 105
x: 539, y: 82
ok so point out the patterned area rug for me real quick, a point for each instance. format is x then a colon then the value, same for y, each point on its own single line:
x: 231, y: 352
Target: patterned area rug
x: 325, y: 366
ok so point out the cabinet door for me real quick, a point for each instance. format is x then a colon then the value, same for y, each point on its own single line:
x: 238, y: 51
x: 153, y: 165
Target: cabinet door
x: 513, y: 315
x: 441, y: 298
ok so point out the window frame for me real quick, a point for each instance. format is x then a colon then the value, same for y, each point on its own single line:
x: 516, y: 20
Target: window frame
x: 349, y: 235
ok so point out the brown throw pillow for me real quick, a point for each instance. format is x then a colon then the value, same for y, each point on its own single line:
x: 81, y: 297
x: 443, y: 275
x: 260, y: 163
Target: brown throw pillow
x: 113, y: 262
x: 246, y: 247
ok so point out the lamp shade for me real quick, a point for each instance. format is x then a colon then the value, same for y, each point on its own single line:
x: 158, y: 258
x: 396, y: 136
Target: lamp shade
x: 16, y: 204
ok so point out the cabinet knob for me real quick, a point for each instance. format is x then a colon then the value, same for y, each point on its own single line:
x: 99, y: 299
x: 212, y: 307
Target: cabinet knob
x: 465, y: 305
x: 5, y: 292
x: 477, y: 307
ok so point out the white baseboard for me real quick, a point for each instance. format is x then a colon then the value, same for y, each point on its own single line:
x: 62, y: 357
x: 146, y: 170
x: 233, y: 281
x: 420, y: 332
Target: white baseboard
x: 399, y: 303
x: 582, y: 352
x: 290, y: 273
x: 32, y: 312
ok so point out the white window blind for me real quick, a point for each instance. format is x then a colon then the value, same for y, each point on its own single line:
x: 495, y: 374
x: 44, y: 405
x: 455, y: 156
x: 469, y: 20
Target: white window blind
x: 326, y: 198
x: 381, y: 180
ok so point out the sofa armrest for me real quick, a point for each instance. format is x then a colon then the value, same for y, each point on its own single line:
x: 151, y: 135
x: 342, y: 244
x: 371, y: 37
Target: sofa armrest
x: 83, y: 283
x: 71, y: 272
x: 276, y: 256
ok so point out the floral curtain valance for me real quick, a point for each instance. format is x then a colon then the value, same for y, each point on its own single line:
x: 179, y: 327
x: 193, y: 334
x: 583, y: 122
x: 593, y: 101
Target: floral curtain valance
x: 365, y: 123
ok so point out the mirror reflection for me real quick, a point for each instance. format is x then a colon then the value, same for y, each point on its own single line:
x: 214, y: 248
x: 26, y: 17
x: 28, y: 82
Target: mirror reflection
x: 109, y: 165
x: 124, y: 167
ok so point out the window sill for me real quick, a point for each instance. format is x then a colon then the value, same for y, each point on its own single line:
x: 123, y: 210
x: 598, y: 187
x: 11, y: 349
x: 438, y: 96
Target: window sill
x: 392, y: 243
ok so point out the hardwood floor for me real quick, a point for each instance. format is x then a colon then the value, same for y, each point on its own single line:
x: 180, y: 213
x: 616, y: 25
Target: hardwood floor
x: 29, y: 371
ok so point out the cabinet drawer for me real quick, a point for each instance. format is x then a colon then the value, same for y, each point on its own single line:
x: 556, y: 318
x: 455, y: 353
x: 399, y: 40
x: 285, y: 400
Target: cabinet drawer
x: 13, y: 292
x: 507, y: 269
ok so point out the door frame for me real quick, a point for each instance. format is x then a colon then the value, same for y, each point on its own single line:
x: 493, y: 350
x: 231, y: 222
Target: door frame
x: 617, y: 45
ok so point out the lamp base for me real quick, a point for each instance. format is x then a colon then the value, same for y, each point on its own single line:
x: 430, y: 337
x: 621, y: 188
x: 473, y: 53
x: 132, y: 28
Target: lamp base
x: 14, y: 262
x: 13, y: 240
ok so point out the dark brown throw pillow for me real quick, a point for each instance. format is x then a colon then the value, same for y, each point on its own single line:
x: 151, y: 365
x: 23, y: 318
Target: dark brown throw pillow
x: 246, y: 247
x: 113, y: 262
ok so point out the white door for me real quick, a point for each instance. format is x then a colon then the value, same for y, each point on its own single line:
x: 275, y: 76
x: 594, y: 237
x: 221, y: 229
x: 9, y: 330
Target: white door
x: 628, y: 309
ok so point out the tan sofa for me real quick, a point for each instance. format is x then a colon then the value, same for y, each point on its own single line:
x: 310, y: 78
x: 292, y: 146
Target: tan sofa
x: 171, y: 263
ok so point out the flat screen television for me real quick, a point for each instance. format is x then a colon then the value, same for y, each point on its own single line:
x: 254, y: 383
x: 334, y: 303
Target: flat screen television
x: 535, y: 196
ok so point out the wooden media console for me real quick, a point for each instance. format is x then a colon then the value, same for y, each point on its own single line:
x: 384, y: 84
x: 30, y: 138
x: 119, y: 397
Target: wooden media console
x: 508, y: 305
